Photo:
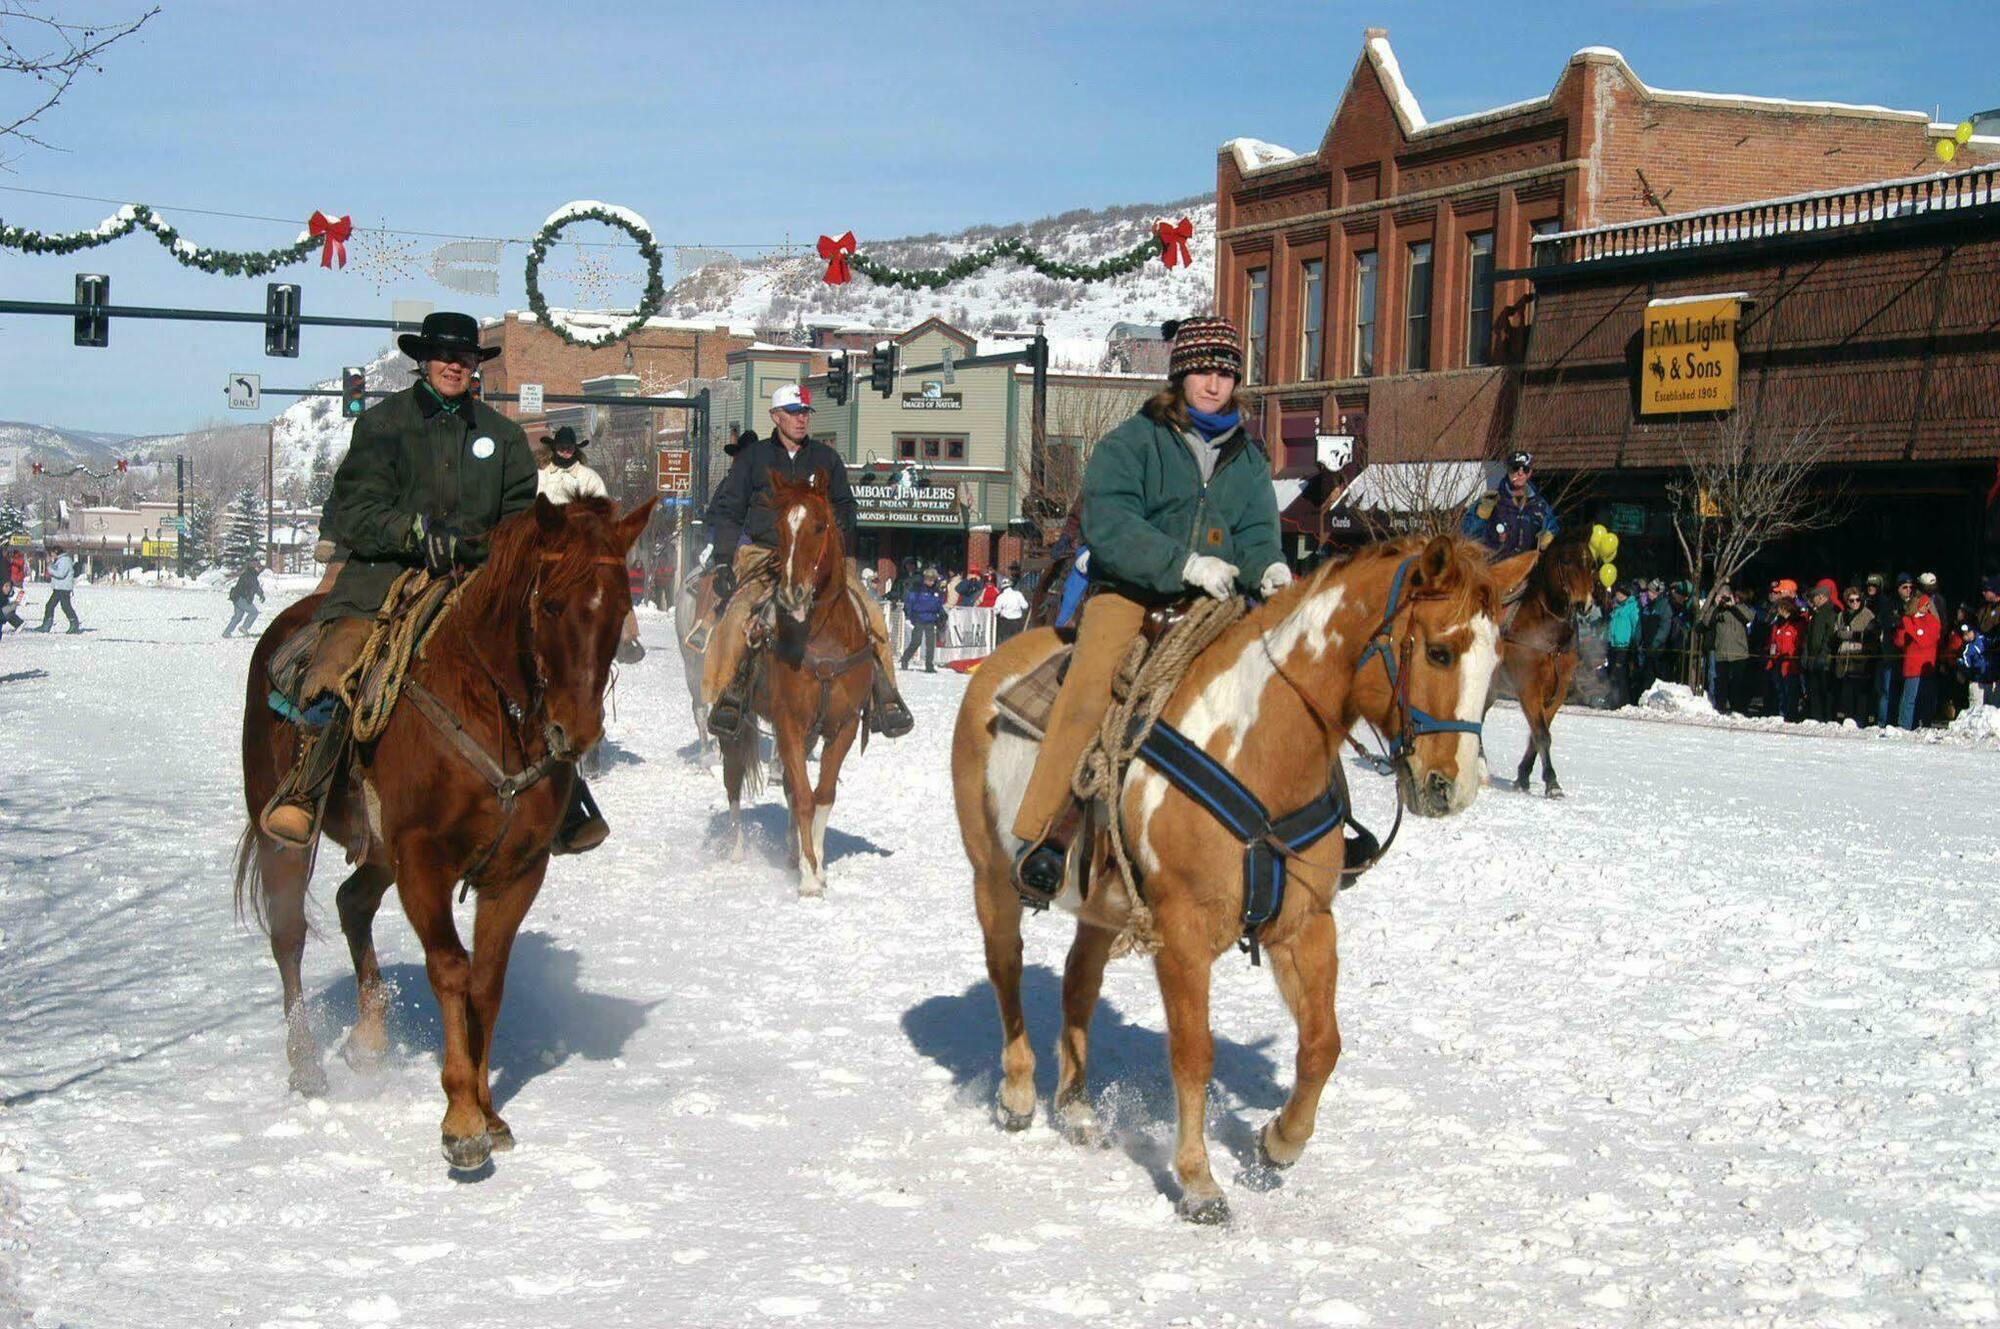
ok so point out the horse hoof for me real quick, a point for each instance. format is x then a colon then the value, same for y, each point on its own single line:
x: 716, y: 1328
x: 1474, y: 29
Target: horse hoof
x: 363, y: 1060
x: 1521, y: 785
x: 309, y: 1080
x: 501, y: 1135
x: 1264, y: 1157
x: 1081, y: 1128
x: 1211, y: 1211
x: 468, y: 1153
x: 1011, y: 1121
x: 1554, y: 791
x: 810, y: 889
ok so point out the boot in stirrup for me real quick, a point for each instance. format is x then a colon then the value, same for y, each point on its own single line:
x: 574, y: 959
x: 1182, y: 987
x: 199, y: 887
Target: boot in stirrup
x: 292, y: 815
x: 727, y: 717
x: 888, y: 716
x: 583, y: 826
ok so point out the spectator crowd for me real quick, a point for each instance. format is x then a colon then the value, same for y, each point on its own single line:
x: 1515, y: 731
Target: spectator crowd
x: 1886, y: 651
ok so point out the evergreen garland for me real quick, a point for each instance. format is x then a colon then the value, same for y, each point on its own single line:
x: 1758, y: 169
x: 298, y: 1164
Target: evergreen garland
x: 131, y: 217
x: 649, y: 303
x: 1010, y: 246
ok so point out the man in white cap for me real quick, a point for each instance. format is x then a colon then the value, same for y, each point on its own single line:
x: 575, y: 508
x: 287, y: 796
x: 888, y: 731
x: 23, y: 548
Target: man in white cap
x: 740, y: 514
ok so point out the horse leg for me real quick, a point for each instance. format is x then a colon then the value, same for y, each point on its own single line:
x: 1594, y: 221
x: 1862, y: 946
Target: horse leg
x: 494, y: 927
x: 358, y: 899
x: 831, y: 754
x: 1083, y: 977
x: 1306, y: 968
x: 1182, y: 965
x: 733, y: 771
x: 799, y: 794
x: 999, y: 910
x: 285, y: 873
x: 424, y: 883
x: 1564, y: 668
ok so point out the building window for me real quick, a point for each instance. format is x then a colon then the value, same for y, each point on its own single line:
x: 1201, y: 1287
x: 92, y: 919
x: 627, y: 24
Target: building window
x: 1258, y: 323
x: 1479, y: 299
x: 1312, y: 296
x: 954, y: 449
x: 906, y: 449
x: 1417, y: 304
x: 909, y: 448
x: 1364, y: 313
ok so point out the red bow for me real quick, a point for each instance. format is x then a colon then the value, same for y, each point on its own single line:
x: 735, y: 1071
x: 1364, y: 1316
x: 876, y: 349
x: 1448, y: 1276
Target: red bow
x: 835, y: 253
x: 334, y: 233
x: 1174, y: 237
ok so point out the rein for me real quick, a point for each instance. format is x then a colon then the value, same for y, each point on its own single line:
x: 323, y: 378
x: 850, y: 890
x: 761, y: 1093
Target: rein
x: 1414, y: 721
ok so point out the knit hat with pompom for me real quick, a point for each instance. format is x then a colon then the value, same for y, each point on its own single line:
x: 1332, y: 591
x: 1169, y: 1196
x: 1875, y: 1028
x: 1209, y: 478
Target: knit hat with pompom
x: 1208, y: 342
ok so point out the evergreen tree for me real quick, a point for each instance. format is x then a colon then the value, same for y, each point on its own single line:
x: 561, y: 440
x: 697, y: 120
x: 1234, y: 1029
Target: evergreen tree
x: 321, y: 484
x: 13, y: 521
x: 201, y: 544
x: 243, y: 540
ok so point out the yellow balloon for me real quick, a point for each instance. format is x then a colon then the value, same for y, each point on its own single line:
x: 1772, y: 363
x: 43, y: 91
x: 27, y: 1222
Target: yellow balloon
x: 1608, y: 574
x: 1946, y: 149
x: 1610, y: 545
x: 1598, y: 532
x: 1962, y: 134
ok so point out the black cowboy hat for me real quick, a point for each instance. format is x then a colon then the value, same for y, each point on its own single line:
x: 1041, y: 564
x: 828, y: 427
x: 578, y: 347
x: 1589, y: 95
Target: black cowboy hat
x: 564, y: 437
x: 445, y: 332
x: 742, y: 441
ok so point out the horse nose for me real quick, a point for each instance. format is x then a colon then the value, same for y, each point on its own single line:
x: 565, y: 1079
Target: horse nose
x: 1437, y: 786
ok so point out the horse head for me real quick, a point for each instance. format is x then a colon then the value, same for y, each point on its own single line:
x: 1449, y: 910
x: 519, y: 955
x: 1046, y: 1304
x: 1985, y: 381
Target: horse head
x: 1422, y: 677
x: 558, y: 571
x: 1566, y: 575
x: 809, y: 553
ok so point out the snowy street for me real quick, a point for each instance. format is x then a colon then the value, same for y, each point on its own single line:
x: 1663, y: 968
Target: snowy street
x: 1711, y: 1042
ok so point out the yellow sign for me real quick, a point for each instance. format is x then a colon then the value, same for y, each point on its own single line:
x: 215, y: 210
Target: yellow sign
x: 1688, y: 362
x: 159, y: 548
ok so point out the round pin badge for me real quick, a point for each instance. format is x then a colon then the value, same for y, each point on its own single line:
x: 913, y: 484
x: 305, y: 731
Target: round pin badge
x: 482, y: 448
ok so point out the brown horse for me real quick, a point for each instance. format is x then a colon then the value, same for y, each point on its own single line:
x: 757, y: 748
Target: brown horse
x: 1538, y: 647
x: 1403, y: 635
x: 521, y: 663
x: 818, y: 671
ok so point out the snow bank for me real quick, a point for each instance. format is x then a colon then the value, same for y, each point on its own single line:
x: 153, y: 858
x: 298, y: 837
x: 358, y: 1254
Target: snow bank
x: 1677, y: 703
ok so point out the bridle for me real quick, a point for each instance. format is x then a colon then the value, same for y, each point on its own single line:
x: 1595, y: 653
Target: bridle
x: 1413, y: 722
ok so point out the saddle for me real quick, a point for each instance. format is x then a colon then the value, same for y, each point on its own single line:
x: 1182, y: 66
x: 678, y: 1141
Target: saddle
x: 403, y: 626
x: 1028, y: 700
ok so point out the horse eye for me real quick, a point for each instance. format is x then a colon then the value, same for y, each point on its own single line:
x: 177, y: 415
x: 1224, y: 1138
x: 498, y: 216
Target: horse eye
x: 1439, y: 656
x: 552, y: 607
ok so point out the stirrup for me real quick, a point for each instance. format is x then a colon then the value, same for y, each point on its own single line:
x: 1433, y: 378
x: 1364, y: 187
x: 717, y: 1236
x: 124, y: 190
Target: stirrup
x: 888, y: 715
x: 1039, y: 870
x: 583, y: 825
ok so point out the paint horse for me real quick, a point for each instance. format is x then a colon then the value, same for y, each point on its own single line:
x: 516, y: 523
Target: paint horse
x: 817, y: 674
x: 1404, y: 635
x: 1538, y: 650
x: 468, y: 781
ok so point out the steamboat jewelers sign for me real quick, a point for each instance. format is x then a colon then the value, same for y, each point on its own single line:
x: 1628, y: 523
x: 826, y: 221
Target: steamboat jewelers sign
x: 1688, y: 360
x: 907, y: 505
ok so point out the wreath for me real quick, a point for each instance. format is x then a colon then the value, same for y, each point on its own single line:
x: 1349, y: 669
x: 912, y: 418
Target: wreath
x: 623, y: 219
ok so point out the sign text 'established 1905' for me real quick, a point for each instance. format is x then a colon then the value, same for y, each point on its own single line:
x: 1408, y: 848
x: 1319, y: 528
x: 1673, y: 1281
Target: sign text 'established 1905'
x: 1688, y: 362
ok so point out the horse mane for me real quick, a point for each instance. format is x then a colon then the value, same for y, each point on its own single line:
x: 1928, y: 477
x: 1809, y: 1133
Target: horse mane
x: 519, y: 549
x: 1469, y: 582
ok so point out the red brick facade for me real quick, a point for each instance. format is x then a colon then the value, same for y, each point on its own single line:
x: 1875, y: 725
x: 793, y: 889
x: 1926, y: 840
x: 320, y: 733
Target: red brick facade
x: 1601, y: 147
x: 530, y: 353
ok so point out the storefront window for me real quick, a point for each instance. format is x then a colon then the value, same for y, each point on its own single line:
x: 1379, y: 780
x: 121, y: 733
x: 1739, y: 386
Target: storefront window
x: 1312, y: 295
x: 912, y: 448
x: 1479, y: 300
x: 1364, y: 313
x: 1417, y: 301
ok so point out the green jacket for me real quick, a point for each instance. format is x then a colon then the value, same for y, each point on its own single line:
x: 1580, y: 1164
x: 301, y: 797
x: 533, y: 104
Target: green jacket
x: 411, y: 456
x: 1145, y: 509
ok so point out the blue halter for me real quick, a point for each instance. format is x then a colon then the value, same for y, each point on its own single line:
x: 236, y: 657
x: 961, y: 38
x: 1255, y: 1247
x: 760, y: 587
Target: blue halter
x: 1417, y: 722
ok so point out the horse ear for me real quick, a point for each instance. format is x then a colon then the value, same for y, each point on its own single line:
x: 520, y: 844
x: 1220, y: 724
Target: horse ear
x: 548, y: 516
x: 1434, y: 564
x: 1511, y: 573
x: 817, y: 481
x: 633, y: 524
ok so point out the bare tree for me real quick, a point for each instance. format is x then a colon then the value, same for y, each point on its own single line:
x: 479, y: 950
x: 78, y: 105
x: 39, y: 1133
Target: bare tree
x: 1425, y: 495
x: 1079, y: 415
x: 43, y: 55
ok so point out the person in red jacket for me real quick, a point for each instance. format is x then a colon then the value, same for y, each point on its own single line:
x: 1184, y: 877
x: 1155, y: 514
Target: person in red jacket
x: 1783, y: 659
x: 1918, y: 636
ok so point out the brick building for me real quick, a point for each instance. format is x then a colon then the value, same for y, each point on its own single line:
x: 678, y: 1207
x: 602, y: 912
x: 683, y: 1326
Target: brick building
x: 1378, y: 276
x: 663, y: 353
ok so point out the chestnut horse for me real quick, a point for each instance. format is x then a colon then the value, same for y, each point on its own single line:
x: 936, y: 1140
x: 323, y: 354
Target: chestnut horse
x: 1404, y: 635
x: 520, y: 664
x: 1538, y: 647
x: 818, y: 671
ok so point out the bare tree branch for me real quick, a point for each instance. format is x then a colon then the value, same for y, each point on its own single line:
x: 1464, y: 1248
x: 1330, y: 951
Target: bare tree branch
x: 42, y: 55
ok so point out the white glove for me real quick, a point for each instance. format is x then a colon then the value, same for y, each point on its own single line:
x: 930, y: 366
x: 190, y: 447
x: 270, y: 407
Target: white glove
x: 1207, y: 573
x: 1276, y: 578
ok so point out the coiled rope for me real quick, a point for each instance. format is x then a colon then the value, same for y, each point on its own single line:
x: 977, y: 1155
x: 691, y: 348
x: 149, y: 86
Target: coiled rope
x: 393, y: 645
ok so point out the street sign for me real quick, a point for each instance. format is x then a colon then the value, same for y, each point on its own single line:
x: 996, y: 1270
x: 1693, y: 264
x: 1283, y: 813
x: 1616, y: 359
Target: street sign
x: 531, y: 399
x: 245, y: 391
x: 676, y: 471
x: 1689, y: 358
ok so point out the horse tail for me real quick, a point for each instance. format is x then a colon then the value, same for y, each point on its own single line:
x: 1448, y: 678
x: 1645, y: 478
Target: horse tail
x: 748, y: 740
x: 250, y: 880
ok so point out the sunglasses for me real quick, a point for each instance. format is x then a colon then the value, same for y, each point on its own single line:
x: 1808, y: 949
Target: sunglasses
x: 1517, y: 470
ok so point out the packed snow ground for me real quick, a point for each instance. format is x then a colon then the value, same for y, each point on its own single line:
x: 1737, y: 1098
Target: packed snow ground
x: 1711, y: 1042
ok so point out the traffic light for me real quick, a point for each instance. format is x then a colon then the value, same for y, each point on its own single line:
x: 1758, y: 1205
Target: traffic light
x: 93, y: 292
x: 838, y: 381
x: 353, y: 392
x: 882, y: 368
x: 281, y: 319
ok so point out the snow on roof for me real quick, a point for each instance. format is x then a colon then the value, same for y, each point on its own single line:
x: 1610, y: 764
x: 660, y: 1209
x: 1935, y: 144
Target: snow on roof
x: 1664, y: 301
x: 1405, y: 101
x: 1254, y: 154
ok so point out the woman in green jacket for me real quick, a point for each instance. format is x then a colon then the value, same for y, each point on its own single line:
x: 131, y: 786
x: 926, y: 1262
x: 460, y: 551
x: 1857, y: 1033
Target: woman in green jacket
x: 1176, y: 501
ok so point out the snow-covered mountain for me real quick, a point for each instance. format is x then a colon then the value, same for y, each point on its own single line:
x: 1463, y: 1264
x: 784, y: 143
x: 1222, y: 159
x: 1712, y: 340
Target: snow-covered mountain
x: 777, y: 292
x: 313, y: 425
x: 55, y: 447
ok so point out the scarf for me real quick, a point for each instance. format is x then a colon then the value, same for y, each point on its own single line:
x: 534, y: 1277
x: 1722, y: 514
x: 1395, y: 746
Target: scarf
x: 1213, y: 426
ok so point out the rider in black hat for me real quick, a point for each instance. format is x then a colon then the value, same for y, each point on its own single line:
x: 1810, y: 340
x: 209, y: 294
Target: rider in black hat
x: 566, y: 475
x: 429, y: 472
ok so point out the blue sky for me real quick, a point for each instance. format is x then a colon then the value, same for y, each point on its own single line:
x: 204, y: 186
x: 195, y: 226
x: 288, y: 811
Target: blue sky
x: 724, y: 127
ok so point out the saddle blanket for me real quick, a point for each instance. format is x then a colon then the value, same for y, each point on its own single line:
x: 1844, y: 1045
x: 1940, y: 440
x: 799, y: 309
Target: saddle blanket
x: 1026, y: 702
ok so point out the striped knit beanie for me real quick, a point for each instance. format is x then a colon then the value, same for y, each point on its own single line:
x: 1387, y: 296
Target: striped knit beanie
x: 1210, y: 342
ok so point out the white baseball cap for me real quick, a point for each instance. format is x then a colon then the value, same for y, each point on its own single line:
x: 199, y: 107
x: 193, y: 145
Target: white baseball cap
x: 793, y: 398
